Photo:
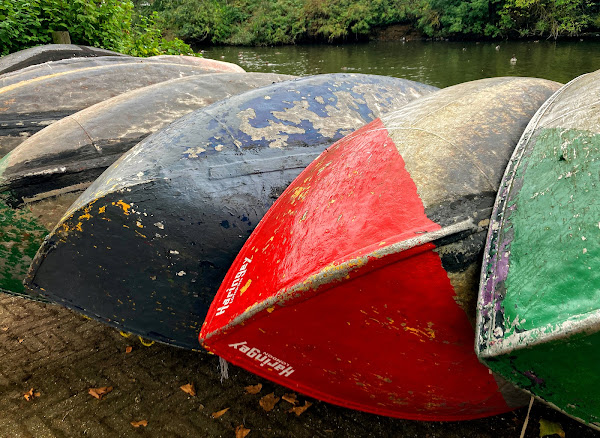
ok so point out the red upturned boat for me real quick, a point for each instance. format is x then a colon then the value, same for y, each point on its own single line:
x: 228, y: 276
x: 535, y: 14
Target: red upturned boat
x: 358, y: 287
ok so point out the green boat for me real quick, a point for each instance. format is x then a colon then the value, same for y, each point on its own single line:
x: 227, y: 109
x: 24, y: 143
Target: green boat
x: 539, y: 299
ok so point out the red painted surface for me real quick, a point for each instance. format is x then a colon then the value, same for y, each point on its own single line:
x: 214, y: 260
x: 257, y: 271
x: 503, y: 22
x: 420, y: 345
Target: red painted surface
x: 384, y: 336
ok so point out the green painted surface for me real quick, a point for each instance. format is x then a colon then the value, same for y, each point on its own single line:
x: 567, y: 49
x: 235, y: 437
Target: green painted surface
x: 564, y: 373
x: 20, y: 237
x: 553, y: 271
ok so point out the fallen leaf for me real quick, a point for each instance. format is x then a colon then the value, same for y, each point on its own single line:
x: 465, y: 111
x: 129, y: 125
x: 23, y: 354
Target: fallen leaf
x: 30, y: 395
x: 290, y: 398
x: 298, y: 410
x: 219, y: 413
x: 100, y: 392
x: 268, y: 402
x: 21, y: 341
x: 128, y: 349
x: 4, y: 329
x: 143, y: 423
x: 189, y: 389
x: 253, y: 389
x: 241, y: 431
x: 550, y: 428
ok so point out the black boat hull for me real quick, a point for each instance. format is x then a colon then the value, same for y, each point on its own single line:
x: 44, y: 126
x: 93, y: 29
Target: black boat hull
x: 146, y: 247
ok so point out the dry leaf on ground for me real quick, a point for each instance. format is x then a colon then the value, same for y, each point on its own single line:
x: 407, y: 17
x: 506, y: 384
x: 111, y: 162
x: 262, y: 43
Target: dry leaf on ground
x: 30, y: 395
x: 219, y: 413
x: 143, y: 423
x: 189, y: 389
x: 128, y: 349
x: 550, y: 428
x: 290, y: 398
x: 100, y: 392
x: 241, y: 431
x: 298, y: 410
x: 268, y: 402
x: 4, y: 329
x: 253, y: 389
x: 21, y: 341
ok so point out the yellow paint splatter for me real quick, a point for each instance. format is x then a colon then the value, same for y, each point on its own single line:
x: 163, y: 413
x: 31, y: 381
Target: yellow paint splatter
x: 385, y: 379
x: 428, y: 332
x: 245, y: 287
x: 126, y: 207
x: 270, y: 309
x: 102, y: 209
x: 299, y: 194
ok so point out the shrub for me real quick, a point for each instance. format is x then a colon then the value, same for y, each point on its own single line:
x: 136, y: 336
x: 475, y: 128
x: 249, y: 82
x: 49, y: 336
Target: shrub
x: 100, y: 23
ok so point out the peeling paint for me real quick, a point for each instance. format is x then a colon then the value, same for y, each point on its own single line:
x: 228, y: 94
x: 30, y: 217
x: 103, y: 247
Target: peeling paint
x: 232, y: 181
x: 538, y: 317
x: 422, y: 180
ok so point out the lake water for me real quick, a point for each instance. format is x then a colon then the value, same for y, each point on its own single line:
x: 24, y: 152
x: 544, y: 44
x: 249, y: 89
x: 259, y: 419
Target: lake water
x: 439, y: 63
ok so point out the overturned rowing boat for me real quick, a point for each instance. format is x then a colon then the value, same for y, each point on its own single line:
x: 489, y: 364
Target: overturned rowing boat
x: 539, y: 300
x: 146, y: 246
x: 59, y: 68
x: 45, y: 174
x: 40, y: 95
x: 49, y: 52
x: 358, y: 286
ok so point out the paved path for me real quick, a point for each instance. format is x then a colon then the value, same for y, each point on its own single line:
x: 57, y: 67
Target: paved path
x: 61, y: 355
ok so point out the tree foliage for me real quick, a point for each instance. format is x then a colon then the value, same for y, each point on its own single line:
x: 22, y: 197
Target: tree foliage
x: 138, y: 27
x: 111, y: 24
x: 267, y: 22
x: 549, y: 17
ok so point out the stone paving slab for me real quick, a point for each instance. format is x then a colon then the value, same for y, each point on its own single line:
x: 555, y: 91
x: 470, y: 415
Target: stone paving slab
x: 61, y: 354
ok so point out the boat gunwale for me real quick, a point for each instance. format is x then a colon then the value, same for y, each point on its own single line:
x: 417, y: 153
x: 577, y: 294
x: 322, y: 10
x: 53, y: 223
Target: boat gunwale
x: 325, y: 277
x: 550, y: 332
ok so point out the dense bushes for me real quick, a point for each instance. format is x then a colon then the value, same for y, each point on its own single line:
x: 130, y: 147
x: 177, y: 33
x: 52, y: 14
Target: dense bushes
x: 267, y: 22
x: 551, y: 17
x: 516, y: 18
x: 110, y: 24
x: 134, y: 26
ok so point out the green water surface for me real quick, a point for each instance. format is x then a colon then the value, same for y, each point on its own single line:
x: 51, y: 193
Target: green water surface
x: 439, y: 63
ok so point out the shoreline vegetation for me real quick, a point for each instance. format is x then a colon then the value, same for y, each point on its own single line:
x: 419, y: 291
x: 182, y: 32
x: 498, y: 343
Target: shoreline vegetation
x: 276, y: 22
x: 153, y: 27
